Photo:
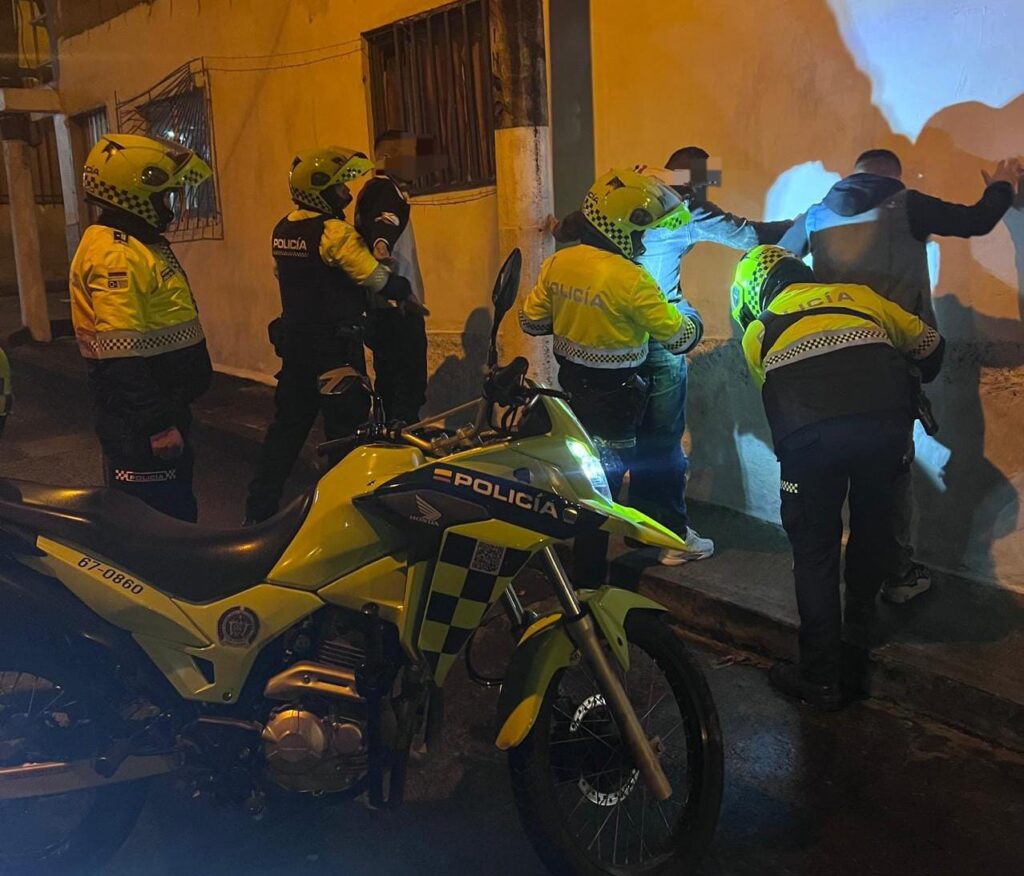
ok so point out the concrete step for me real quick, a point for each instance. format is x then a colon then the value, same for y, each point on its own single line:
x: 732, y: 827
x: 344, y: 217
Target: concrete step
x: 955, y: 653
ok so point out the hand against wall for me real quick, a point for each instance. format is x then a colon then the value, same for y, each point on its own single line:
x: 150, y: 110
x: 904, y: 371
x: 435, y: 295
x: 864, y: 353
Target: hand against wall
x: 1007, y: 170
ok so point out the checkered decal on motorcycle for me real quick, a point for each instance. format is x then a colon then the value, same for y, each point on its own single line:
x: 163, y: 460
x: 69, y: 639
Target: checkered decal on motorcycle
x: 469, y: 576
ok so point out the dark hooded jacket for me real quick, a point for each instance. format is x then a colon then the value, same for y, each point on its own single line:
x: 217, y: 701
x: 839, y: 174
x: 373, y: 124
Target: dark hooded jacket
x: 872, y: 230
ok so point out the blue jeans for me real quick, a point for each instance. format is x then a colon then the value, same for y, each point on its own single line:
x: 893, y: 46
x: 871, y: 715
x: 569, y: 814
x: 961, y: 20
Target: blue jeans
x: 657, y: 479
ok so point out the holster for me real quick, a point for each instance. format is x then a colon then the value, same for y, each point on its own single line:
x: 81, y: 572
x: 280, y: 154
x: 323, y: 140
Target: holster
x: 922, y: 404
x: 609, y: 410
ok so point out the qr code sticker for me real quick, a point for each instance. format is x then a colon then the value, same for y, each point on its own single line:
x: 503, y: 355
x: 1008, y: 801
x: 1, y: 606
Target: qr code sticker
x: 487, y: 558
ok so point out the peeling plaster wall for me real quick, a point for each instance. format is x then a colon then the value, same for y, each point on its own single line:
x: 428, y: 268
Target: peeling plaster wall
x: 311, y: 92
x: 788, y: 97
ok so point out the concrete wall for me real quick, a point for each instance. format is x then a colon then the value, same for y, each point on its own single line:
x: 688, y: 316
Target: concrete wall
x: 787, y: 96
x: 283, y: 76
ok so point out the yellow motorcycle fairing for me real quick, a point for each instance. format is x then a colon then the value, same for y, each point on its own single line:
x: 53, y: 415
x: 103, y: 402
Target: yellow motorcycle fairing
x: 223, y: 636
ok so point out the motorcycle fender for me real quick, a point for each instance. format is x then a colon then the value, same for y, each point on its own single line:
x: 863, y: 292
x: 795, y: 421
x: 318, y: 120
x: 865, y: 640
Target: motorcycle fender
x: 630, y: 523
x: 545, y: 648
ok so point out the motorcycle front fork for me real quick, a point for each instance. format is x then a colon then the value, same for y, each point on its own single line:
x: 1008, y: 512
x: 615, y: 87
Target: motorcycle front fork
x: 581, y: 629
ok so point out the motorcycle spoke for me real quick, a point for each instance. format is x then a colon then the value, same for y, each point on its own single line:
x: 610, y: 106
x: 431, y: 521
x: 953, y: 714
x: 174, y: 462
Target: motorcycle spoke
x: 600, y: 830
x: 589, y: 732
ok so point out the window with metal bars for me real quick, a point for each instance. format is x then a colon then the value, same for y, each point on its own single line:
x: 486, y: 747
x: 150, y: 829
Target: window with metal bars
x: 178, y: 108
x: 431, y: 75
x: 91, y: 126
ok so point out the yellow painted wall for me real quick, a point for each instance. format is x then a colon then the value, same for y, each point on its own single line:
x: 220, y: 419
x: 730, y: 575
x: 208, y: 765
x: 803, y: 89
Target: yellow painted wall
x: 787, y: 94
x: 265, y: 108
x: 53, y: 248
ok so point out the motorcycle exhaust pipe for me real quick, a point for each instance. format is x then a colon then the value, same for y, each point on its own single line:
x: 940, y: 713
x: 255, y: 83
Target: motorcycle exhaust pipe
x: 60, y: 777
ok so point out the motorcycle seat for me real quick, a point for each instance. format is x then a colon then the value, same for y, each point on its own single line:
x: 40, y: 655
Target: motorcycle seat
x: 184, y: 560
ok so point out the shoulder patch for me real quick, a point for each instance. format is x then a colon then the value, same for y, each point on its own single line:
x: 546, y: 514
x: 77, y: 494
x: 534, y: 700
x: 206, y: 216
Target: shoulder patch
x: 120, y: 236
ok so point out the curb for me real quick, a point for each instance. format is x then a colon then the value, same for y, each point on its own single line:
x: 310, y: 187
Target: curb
x: 887, y: 672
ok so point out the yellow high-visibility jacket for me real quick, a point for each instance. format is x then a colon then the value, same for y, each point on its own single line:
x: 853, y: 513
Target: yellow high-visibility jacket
x: 602, y: 309
x: 138, y: 328
x: 129, y: 298
x: 823, y: 351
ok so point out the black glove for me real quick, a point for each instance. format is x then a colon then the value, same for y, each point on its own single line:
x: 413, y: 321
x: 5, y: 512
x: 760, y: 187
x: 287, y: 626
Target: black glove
x: 397, y: 288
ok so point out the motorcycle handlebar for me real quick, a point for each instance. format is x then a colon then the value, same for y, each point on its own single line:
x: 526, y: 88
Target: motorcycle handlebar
x: 503, y: 382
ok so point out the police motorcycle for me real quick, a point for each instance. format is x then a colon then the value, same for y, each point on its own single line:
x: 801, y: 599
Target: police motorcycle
x: 308, y: 654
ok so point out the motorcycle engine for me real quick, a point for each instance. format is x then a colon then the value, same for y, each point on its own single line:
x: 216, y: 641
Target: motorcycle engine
x: 305, y: 751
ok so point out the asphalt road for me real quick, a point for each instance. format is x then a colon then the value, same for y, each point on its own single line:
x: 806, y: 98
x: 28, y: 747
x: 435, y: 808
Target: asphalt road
x: 865, y: 792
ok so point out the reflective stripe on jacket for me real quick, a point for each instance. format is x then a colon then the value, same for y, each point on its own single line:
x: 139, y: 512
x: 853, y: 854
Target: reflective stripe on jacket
x: 130, y: 298
x: 824, y: 351
x: 602, y: 309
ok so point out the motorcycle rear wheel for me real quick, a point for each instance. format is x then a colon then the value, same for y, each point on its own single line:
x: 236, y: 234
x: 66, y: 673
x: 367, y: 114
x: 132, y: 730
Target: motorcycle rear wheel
x: 50, y: 711
x: 584, y: 805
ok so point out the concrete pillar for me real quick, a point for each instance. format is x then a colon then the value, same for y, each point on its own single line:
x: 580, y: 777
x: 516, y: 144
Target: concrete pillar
x: 25, y: 232
x: 523, y: 156
x: 70, y: 174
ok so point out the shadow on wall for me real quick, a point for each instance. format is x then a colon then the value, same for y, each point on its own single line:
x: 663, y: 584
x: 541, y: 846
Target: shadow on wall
x: 459, y: 376
x: 978, y: 401
x: 970, y: 522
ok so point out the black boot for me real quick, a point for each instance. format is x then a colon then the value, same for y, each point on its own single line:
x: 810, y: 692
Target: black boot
x: 789, y: 680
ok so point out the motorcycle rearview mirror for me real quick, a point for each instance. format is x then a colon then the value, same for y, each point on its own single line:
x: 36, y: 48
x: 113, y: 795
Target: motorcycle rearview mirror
x: 503, y: 297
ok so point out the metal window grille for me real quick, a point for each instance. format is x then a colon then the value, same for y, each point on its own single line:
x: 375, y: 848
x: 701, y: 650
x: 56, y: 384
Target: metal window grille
x: 431, y: 75
x: 91, y: 126
x: 44, y: 165
x: 178, y: 108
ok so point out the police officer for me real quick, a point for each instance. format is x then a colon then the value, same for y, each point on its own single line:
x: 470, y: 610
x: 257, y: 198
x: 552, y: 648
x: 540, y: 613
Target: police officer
x: 396, y: 334
x: 870, y: 228
x: 832, y: 364
x: 136, y: 321
x: 602, y: 308
x: 325, y: 272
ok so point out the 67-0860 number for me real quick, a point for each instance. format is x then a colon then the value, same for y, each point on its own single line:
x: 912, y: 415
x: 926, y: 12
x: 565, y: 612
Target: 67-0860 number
x: 111, y: 575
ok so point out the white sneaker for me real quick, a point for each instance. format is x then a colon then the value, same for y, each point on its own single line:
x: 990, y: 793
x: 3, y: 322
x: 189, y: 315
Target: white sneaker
x: 697, y: 548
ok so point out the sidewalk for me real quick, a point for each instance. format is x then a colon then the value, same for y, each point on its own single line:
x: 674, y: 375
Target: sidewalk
x: 955, y: 654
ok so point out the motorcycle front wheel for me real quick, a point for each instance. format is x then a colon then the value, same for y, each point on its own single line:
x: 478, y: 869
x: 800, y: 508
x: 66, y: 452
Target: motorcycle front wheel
x: 582, y: 801
x: 51, y: 711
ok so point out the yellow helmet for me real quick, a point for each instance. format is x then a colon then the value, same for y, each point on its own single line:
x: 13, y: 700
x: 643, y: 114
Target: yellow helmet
x: 316, y: 172
x: 623, y: 204
x: 132, y: 172
x: 751, y: 280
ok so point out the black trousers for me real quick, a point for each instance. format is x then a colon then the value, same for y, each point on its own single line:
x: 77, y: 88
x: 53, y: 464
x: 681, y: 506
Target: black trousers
x: 297, y: 403
x: 399, y: 345
x: 163, y: 484
x: 856, y: 456
x: 609, y: 404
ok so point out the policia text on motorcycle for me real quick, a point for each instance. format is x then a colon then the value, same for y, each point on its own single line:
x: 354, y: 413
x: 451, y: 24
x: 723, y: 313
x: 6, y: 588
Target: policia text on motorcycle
x: 833, y: 364
x: 325, y: 272
x: 602, y: 309
x: 136, y: 321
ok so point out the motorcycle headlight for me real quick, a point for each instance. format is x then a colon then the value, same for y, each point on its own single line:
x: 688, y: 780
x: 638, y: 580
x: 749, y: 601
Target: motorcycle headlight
x: 590, y: 466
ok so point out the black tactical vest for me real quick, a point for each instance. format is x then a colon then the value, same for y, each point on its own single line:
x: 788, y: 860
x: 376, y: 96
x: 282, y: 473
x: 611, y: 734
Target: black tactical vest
x: 317, y: 301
